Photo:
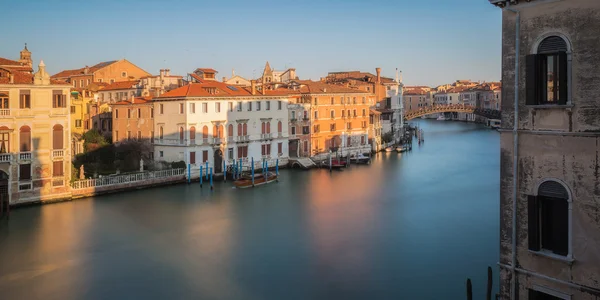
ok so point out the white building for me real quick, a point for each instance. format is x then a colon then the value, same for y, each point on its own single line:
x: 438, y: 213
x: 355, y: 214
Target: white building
x: 210, y: 121
x: 395, y: 94
x: 147, y: 86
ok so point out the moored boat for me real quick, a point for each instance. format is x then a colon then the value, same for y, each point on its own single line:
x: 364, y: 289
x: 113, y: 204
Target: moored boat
x: 441, y: 118
x: 389, y: 149
x: 401, y: 149
x: 360, y: 159
x: 259, y: 179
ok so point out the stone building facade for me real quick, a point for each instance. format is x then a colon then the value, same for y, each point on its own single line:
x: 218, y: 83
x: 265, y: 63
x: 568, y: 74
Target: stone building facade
x: 550, y: 195
x: 35, y: 155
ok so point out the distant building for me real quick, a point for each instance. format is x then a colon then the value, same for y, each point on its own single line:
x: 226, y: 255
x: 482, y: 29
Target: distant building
x: 236, y: 80
x: 133, y: 119
x: 271, y: 76
x: 109, y: 72
x: 35, y: 153
x: 211, y: 121
x: 549, y: 163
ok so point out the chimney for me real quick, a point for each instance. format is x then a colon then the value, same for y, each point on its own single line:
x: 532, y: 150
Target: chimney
x: 378, y: 70
x: 167, y: 72
x: 162, y: 75
x: 132, y: 99
x: 224, y: 78
x: 11, y: 78
x: 253, y: 86
x: 264, y: 89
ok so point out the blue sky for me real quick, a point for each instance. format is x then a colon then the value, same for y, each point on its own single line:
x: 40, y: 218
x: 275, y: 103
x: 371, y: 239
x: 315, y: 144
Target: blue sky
x: 431, y: 41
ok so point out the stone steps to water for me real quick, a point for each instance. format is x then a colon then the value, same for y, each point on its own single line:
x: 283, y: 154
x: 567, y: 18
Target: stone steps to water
x: 303, y: 162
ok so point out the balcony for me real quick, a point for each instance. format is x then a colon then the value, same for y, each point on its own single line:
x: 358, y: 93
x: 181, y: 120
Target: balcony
x: 58, y: 153
x: 58, y: 111
x: 243, y: 138
x: 217, y: 141
x: 230, y: 139
x: 25, y: 156
x: 24, y: 112
x: 266, y: 136
x: 170, y: 142
x: 5, y: 157
x: 4, y: 113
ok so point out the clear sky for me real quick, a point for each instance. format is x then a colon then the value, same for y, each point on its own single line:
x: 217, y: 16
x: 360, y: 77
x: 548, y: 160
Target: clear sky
x: 431, y: 41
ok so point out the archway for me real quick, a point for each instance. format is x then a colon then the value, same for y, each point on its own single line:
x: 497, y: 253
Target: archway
x: 218, y: 161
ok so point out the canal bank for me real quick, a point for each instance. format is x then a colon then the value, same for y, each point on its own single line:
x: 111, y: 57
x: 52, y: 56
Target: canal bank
x: 380, y: 231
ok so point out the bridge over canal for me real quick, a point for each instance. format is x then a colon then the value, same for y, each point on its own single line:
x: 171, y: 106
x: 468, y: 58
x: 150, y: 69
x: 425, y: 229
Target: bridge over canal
x: 486, y: 113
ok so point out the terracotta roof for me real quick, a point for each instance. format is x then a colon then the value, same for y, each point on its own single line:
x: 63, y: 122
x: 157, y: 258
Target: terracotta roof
x: 92, y: 69
x: 9, y: 62
x: 26, y: 78
x: 136, y: 100
x: 317, y: 87
x: 121, y: 85
x: 206, y: 70
x: 212, y: 88
x: 375, y: 112
x: 415, y: 92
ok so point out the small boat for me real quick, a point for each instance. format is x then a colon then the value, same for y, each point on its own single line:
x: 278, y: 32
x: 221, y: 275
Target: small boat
x: 389, y: 149
x: 259, y: 179
x: 441, y: 118
x: 335, y: 163
x: 360, y: 159
x: 401, y: 149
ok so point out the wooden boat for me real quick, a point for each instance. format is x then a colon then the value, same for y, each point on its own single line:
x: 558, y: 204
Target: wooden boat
x: 335, y: 164
x: 401, y: 149
x: 389, y: 149
x: 259, y: 179
x: 360, y: 159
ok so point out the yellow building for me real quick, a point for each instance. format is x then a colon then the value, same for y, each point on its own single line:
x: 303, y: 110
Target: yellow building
x: 35, y: 155
x: 79, y: 110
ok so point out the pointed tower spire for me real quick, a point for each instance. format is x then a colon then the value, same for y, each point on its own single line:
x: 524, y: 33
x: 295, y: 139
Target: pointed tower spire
x: 25, y: 58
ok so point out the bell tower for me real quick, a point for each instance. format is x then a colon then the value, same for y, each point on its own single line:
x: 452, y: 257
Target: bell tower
x: 26, y: 57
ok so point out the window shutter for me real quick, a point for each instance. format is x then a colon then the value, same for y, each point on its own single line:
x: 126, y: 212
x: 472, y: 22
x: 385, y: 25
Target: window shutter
x: 533, y: 223
x: 560, y: 224
x: 563, y: 85
x: 532, y: 79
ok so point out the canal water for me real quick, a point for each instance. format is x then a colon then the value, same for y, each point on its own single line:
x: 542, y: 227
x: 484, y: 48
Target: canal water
x: 408, y: 226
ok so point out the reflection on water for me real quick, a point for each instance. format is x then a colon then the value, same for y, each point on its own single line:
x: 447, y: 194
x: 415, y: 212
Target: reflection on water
x: 428, y: 218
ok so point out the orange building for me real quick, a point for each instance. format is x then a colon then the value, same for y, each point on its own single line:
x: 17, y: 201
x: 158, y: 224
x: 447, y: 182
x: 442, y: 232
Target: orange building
x: 109, y: 72
x: 339, y: 117
x: 133, y: 119
x: 365, y: 81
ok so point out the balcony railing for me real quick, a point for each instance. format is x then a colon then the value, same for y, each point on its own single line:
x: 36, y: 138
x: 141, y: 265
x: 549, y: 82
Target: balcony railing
x: 6, y: 157
x: 243, y: 138
x: 170, y: 142
x: 58, y: 153
x: 126, y: 178
x: 265, y: 136
x: 4, y: 113
x: 25, y: 156
x: 58, y: 111
x: 217, y: 141
x: 230, y: 139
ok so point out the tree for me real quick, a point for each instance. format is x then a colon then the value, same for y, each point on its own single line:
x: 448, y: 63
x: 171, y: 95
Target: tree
x: 93, y: 140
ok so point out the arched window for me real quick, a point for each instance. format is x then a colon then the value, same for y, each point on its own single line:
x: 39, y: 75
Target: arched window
x: 215, y: 131
x: 279, y: 127
x: 262, y: 128
x: 160, y: 133
x: 547, y: 72
x: 220, y: 131
x: 240, y: 130
x: 205, y: 134
x: 245, y: 129
x: 192, y: 134
x: 548, y: 222
x: 57, y: 137
x: 4, y: 139
x: 25, y: 139
x: 230, y: 130
x: 268, y: 127
x: 181, y: 134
